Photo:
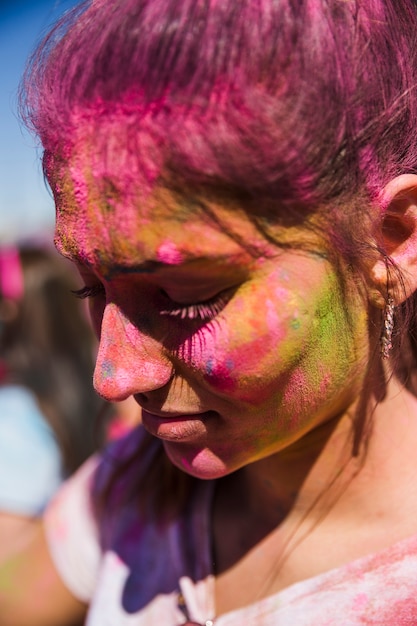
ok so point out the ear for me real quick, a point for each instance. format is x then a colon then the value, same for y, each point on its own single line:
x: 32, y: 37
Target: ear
x: 398, y: 239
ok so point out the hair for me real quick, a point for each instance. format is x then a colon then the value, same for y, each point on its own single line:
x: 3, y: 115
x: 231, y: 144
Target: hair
x: 297, y: 108
x: 47, y: 346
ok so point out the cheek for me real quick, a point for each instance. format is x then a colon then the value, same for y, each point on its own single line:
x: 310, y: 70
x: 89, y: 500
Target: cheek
x: 296, y: 349
x: 248, y: 370
x: 221, y: 374
x: 306, y: 389
x: 334, y: 363
x: 248, y: 347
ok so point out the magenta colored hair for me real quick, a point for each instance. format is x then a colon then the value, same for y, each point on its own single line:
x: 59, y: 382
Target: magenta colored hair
x: 304, y: 101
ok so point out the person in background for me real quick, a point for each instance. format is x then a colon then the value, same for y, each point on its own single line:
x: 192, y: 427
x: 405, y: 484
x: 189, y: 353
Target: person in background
x: 48, y: 406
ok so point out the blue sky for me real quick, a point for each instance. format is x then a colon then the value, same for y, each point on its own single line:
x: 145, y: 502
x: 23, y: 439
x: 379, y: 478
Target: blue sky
x: 26, y: 208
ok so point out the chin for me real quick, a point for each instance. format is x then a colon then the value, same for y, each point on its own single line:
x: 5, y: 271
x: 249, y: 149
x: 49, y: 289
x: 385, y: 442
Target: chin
x: 202, y: 463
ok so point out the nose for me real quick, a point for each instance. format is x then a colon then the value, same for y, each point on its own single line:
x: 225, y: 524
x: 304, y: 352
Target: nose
x: 128, y: 361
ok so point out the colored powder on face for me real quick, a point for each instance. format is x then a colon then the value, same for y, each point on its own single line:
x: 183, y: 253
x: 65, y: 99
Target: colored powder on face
x: 272, y: 319
x: 80, y: 187
x: 295, y: 324
x: 115, y: 154
x: 298, y: 387
x: 219, y: 375
x: 168, y: 253
x: 325, y: 381
x: 107, y: 370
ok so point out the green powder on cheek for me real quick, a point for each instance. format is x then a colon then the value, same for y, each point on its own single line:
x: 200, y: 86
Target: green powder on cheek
x: 340, y: 328
x: 295, y: 323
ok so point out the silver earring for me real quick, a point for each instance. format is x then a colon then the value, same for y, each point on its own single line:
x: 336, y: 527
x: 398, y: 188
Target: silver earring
x: 386, y: 336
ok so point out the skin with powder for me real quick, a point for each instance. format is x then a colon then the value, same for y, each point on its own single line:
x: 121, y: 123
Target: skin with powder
x: 193, y: 323
x: 240, y: 225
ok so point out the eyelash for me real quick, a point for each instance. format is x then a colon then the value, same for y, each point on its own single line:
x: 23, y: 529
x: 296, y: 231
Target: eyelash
x: 202, y: 311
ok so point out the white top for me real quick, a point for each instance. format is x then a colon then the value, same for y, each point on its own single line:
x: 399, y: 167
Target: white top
x: 136, y: 579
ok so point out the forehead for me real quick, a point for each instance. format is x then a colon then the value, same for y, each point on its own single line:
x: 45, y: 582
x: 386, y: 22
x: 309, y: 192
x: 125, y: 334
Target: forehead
x: 112, y: 209
x: 160, y: 227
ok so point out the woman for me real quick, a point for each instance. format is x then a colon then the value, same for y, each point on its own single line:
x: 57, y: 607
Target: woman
x: 236, y: 183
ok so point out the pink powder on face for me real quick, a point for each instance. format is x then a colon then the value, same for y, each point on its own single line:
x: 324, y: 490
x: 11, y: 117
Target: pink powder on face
x: 282, y: 292
x: 219, y: 375
x: 235, y: 369
x: 107, y: 370
x: 298, y: 394
x: 272, y: 318
x: 325, y: 381
x: 128, y: 361
x: 169, y: 253
x: 80, y: 186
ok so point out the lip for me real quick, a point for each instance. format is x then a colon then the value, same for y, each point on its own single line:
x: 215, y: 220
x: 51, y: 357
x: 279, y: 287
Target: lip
x: 177, y: 426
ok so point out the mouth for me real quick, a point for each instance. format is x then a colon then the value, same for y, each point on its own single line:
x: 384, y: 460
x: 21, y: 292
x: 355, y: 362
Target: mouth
x: 177, y: 426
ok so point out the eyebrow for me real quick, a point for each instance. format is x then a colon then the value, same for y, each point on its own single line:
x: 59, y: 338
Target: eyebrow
x: 145, y: 267
x: 153, y: 267
x: 148, y: 267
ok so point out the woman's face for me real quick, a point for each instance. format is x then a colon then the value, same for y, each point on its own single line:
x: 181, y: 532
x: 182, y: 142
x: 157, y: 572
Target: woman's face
x: 232, y: 355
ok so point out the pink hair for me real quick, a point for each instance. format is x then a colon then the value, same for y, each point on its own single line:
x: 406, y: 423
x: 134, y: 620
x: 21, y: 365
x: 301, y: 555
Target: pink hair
x: 303, y: 102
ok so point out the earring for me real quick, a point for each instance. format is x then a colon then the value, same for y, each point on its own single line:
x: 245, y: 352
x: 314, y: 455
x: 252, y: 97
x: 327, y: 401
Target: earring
x: 386, y: 336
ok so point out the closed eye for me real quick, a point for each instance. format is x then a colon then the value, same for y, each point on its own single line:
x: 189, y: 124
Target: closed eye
x: 199, y: 311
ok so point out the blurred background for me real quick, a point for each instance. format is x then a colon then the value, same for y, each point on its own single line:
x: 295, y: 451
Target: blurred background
x: 26, y: 207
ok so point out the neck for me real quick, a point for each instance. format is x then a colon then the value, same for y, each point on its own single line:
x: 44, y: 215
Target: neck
x: 319, y: 476
x: 292, y: 481
x: 315, y: 506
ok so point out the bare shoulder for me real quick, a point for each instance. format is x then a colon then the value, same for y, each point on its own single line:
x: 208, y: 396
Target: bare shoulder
x: 31, y: 591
